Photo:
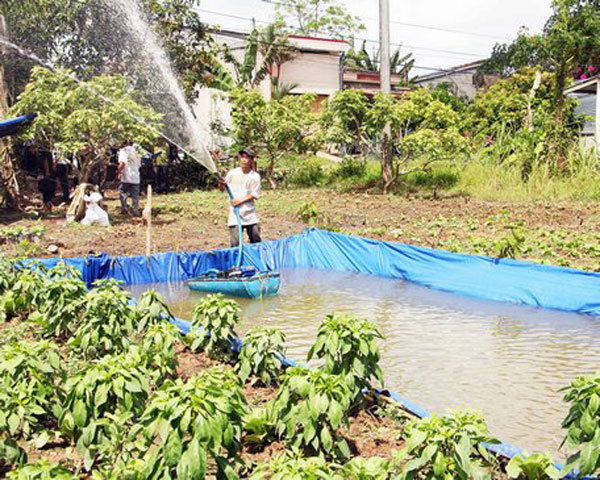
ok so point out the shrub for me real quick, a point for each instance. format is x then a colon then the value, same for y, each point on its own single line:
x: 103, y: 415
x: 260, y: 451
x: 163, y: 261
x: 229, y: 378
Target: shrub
x: 446, y: 447
x: 30, y: 378
x: 511, y: 245
x: 538, y: 466
x: 350, y: 167
x: 262, y: 354
x: 158, y: 346
x: 434, y: 180
x: 349, y: 348
x: 42, y: 470
x: 293, y: 466
x: 583, y: 425
x: 308, y: 173
x: 151, y: 309
x: 184, y: 423
x: 308, y: 213
x: 310, y: 407
x: 108, y: 322
x: 113, y: 385
x: 217, y: 317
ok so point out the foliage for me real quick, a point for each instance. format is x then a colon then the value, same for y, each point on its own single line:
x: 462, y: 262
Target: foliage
x: 318, y: 18
x: 434, y: 179
x: 216, y: 317
x: 350, y: 167
x: 537, y: 466
x: 31, y: 376
x: 262, y: 354
x: 447, y: 447
x: 107, y: 323
x: 184, y: 423
x: 291, y: 465
x: 275, y: 127
x: 359, y: 468
x: 96, y: 396
x: 42, y: 470
x: 86, y: 117
x: 11, y: 454
x: 583, y: 425
x: 363, y: 60
x: 152, y: 310
x: 348, y: 347
x: 511, y: 245
x: 310, y: 407
x: 344, y: 118
x: 308, y: 213
x: 259, y: 424
x: 308, y: 173
x: 158, y: 345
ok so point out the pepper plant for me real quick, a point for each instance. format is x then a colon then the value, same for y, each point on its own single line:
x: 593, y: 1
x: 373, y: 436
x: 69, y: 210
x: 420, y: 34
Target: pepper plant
x: 151, y: 309
x: 538, y: 466
x: 291, y: 465
x: 262, y: 354
x: 216, y: 317
x: 186, y: 422
x: 31, y: 374
x: 349, y: 348
x: 107, y: 323
x: 583, y: 425
x: 114, y: 384
x: 447, y: 448
x: 11, y: 454
x: 311, y: 406
x: 42, y: 470
x: 158, y: 346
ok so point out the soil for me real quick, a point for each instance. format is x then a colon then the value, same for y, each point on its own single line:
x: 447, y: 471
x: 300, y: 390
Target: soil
x: 563, y: 234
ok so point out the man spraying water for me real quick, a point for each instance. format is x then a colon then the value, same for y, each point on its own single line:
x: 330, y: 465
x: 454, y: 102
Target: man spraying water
x: 244, y: 183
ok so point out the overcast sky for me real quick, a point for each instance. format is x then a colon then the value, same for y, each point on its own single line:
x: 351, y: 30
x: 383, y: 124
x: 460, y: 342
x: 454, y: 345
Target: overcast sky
x: 493, y: 21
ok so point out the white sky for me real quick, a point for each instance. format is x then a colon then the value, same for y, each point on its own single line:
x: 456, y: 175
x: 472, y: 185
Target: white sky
x: 501, y: 18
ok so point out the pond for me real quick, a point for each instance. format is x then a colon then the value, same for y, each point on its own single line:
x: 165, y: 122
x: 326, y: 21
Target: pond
x: 442, y: 351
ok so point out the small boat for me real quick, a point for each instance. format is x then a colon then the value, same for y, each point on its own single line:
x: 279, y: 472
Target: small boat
x: 239, y: 282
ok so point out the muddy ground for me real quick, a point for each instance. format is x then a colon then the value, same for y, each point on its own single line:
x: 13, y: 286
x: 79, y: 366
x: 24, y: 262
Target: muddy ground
x: 565, y: 234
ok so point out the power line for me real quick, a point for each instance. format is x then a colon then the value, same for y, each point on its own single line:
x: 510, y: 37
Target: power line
x: 416, y: 25
x: 399, y: 45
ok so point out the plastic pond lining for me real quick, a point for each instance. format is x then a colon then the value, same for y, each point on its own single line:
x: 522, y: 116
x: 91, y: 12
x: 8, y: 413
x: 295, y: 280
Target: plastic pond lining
x: 482, y: 277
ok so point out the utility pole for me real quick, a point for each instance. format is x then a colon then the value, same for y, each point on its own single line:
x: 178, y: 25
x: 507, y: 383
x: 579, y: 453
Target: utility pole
x: 385, y: 87
x: 3, y: 90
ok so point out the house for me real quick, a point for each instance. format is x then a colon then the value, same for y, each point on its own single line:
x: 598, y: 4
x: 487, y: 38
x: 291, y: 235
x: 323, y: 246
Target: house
x: 464, y: 80
x: 588, y: 93
x: 370, y: 82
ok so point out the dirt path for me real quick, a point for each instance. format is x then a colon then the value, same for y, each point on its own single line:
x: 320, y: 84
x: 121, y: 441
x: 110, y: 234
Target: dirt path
x: 563, y: 234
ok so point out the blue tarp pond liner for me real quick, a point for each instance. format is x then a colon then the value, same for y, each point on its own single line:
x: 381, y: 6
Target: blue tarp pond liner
x: 12, y: 126
x: 481, y: 277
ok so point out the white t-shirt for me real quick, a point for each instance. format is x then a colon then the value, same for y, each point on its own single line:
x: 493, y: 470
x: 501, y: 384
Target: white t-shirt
x: 133, y: 162
x: 241, y: 185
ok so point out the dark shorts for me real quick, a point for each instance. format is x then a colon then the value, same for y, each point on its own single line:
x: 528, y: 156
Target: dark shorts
x: 252, y: 230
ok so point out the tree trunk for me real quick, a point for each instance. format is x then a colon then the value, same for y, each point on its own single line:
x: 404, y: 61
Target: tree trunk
x: 8, y: 177
x: 269, y: 173
x: 387, y: 171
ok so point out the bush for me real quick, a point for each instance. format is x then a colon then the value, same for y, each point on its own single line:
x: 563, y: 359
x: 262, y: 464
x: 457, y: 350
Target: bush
x: 309, y: 173
x: 216, y: 317
x: 350, y: 167
x: 446, y: 447
x: 184, y: 423
x: 107, y: 323
x: 310, y: 408
x: 583, y: 425
x: 31, y: 377
x: 433, y: 180
x: 308, y: 213
x: 348, y: 346
x: 262, y: 354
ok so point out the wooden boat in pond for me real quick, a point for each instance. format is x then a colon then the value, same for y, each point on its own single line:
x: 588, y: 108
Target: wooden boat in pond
x: 256, y: 285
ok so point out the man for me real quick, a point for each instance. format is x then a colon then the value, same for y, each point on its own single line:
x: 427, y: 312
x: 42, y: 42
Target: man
x: 61, y: 167
x: 128, y: 173
x: 244, y: 183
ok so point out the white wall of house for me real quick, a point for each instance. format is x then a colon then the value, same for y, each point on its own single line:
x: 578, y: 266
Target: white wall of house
x: 313, y: 73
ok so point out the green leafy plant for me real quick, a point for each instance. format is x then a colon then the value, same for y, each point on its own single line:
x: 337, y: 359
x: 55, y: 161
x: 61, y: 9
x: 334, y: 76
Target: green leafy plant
x: 583, y: 425
x: 310, y: 407
x: 374, y: 468
x: 42, y: 470
x: 259, y: 424
x: 107, y: 323
x: 511, y: 245
x: 158, y: 345
x: 112, y: 385
x: 216, y: 317
x: 538, y: 466
x: 31, y: 375
x: 151, y: 309
x: 262, y: 354
x: 349, y: 348
x: 446, y: 448
x: 308, y: 213
x: 11, y: 454
x: 291, y: 465
x: 184, y: 423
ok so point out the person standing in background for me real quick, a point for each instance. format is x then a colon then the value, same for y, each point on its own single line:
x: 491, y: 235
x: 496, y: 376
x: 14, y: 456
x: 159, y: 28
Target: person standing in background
x: 128, y: 173
x: 61, y: 168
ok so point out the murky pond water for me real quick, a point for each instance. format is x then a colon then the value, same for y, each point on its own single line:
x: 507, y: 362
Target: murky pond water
x: 442, y: 351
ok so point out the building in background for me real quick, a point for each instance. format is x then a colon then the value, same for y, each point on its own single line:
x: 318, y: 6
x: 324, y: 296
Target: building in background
x: 370, y: 82
x: 464, y: 80
x: 588, y: 93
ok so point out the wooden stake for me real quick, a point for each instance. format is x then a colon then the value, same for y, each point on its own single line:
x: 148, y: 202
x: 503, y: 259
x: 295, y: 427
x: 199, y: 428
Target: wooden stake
x: 147, y: 215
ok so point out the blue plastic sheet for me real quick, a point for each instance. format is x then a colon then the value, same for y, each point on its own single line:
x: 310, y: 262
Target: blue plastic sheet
x: 477, y: 276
